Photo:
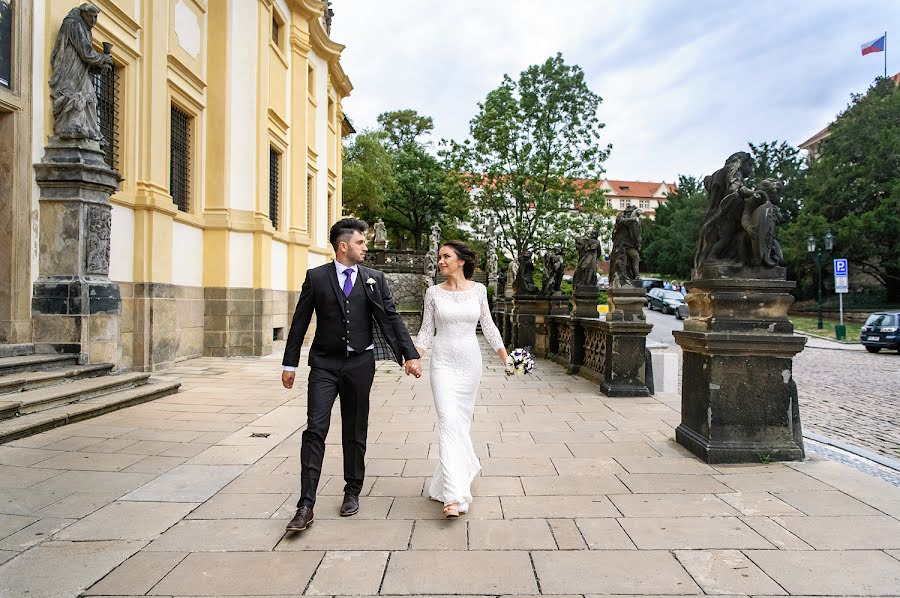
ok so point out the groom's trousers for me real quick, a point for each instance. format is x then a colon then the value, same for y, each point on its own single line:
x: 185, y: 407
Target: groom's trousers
x: 350, y: 378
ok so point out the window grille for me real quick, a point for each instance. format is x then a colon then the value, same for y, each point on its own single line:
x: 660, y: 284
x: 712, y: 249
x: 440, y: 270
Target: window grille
x: 274, y: 180
x: 330, y: 209
x: 180, y: 158
x: 106, y: 85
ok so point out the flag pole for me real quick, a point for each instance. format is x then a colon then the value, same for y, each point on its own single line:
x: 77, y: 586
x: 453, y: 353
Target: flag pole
x: 885, y: 54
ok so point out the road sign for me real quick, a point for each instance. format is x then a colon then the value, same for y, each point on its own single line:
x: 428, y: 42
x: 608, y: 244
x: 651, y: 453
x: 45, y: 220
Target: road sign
x: 840, y: 267
x: 841, y: 284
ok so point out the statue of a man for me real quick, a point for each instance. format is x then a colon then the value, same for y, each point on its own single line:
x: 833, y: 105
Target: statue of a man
x: 431, y: 264
x: 588, y: 248
x: 434, y: 241
x: 72, y: 64
x: 512, y: 272
x: 553, y: 271
x: 380, y: 234
x: 727, y: 191
x: 625, y: 259
x: 525, y: 274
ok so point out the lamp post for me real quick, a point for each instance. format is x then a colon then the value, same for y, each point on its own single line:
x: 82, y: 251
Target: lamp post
x: 818, y: 256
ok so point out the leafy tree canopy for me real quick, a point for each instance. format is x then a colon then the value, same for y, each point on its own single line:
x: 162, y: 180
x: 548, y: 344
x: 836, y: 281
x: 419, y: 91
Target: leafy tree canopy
x: 774, y: 159
x: 531, y: 145
x: 854, y: 187
x: 390, y: 174
x: 670, y: 241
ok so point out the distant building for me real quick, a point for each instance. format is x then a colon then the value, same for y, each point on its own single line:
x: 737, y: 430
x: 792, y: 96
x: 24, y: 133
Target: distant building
x: 647, y: 196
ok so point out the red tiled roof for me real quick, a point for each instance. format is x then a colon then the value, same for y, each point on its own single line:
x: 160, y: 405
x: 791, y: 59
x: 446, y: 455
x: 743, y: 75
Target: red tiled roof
x: 634, y: 188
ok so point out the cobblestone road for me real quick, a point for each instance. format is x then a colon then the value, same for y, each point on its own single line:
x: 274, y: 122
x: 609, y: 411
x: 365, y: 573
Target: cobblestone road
x: 853, y: 396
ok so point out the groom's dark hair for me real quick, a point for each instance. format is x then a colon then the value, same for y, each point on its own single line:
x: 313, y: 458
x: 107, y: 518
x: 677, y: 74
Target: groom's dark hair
x: 343, y: 229
x: 463, y: 252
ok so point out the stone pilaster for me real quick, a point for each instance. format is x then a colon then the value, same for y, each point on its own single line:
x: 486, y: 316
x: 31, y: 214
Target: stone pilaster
x: 739, y: 400
x: 625, y: 358
x: 75, y: 306
x: 525, y: 311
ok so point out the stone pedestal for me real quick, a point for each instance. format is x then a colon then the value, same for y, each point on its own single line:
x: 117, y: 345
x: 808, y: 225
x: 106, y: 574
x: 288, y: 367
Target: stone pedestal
x: 629, y: 301
x: 559, y: 305
x: 75, y: 306
x: 584, y: 302
x: 739, y: 399
x: 525, y: 310
x: 625, y: 357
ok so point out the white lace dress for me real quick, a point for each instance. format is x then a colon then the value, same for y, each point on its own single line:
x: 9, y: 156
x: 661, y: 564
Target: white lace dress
x: 455, y: 376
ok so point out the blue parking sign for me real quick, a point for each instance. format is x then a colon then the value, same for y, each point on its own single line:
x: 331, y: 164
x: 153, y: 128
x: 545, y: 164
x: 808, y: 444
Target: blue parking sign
x: 840, y: 267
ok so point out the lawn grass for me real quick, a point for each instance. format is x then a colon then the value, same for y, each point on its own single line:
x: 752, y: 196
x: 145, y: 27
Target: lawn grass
x: 809, y: 325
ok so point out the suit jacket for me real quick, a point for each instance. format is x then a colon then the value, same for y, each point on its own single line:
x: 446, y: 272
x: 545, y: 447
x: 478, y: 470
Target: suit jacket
x: 321, y: 294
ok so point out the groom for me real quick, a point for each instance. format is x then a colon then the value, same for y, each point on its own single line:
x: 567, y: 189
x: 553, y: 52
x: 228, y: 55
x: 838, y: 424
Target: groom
x: 346, y: 298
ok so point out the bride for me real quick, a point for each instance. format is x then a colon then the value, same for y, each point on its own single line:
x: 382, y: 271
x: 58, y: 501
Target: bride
x: 454, y: 308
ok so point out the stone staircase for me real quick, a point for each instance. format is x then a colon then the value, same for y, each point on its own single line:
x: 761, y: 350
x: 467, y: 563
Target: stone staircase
x: 40, y: 392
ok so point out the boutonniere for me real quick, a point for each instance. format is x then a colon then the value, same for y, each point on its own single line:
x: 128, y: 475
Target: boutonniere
x: 371, y: 282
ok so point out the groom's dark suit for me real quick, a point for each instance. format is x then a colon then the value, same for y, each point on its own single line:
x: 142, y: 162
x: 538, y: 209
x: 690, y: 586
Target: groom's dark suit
x: 341, y: 363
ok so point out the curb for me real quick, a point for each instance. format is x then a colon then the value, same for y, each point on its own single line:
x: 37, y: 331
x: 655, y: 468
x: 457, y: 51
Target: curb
x: 848, y: 346
x: 855, y: 450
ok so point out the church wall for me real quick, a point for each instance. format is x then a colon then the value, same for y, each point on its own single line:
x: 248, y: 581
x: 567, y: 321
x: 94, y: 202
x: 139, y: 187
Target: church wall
x: 219, y: 278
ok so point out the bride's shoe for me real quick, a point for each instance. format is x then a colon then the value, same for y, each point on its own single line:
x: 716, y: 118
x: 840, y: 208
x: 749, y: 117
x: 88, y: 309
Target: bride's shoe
x: 451, y: 510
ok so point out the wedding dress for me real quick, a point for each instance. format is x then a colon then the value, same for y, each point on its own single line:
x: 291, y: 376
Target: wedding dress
x: 455, y: 376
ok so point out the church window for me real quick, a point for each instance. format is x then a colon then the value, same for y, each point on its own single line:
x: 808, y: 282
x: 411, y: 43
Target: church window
x: 180, y: 158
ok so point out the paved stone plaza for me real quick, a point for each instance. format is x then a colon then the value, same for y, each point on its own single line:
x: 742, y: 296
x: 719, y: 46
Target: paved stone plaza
x: 580, y: 495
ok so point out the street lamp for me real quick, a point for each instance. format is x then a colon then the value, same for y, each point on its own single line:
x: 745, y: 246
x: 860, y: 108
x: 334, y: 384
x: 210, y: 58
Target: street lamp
x: 819, y: 256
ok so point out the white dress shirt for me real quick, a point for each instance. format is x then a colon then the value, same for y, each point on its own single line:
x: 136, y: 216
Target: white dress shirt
x: 341, y: 277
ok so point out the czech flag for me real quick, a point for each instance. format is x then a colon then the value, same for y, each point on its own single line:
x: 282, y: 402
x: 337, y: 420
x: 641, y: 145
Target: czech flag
x: 873, y: 46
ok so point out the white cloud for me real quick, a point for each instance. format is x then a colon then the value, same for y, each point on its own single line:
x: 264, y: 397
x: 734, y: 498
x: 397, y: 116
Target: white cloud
x: 685, y: 82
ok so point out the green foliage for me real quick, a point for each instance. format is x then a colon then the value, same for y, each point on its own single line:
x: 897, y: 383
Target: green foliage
x: 530, y: 142
x: 390, y: 174
x: 778, y: 160
x: 670, y: 241
x: 853, y: 188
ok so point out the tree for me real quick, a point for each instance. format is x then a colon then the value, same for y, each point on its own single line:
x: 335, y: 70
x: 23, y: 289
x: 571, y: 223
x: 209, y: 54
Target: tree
x: 854, y: 184
x: 773, y: 159
x: 670, y: 241
x: 390, y: 174
x: 369, y: 177
x: 532, y: 144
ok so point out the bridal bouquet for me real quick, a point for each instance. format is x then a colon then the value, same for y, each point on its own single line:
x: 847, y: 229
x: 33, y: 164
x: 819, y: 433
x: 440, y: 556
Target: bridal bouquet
x: 520, y: 362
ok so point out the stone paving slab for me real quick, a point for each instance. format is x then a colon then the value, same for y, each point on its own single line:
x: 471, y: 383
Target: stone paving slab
x: 580, y: 495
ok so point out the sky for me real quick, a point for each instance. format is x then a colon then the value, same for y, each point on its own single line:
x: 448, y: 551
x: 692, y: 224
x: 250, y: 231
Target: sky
x: 684, y: 83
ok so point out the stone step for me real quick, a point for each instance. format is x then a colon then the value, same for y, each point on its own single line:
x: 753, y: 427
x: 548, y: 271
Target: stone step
x: 42, y: 399
x: 32, y: 363
x: 16, y: 350
x: 23, y: 381
x: 35, y: 423
x: 9, y: 409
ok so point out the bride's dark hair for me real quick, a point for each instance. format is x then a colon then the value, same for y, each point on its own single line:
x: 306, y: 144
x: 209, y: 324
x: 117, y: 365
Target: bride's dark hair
x: 463, y: 252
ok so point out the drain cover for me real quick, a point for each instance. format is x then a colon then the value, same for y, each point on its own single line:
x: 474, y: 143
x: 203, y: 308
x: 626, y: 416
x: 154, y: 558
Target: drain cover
x: 259, y: 435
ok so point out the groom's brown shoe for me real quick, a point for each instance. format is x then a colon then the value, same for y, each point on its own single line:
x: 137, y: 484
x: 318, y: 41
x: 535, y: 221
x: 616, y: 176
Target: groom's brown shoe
x: 350, y: 505
x: 301, y: 520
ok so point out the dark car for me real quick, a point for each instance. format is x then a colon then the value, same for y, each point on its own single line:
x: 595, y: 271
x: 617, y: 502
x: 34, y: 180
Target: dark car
x: 880, y: 332
x: 664, y: 300
x: 682, y: 312
x: 651, y: 283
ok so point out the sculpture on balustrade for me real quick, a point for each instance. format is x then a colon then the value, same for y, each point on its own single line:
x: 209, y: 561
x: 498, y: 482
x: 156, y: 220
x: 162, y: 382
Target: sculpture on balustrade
x: 73, y: 64
x: 501, y: 284
x: 431, y: 264
x: 490, y: 250
x: 434, y: 239
x: 525, y: 275
x: 554, y: 264
x: 512, y: 272
x: 380, y: 234
x: 589, y: 249
x: 625, y: 258
x: 740, y: 223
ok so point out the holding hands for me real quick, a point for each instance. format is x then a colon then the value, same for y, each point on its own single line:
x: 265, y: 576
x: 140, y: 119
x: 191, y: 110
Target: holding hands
x: 413, y: 367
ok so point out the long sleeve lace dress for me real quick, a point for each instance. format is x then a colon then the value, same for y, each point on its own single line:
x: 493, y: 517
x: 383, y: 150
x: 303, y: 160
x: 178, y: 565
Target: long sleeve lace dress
x: 455, y: 377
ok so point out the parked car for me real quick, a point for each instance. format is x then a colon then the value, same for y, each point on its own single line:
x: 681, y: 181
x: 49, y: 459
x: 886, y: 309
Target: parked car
x: 603, y: 283
x: 881, y: 332
x: 682, y: 312
x: 664, y: 300
x: 651, y: 283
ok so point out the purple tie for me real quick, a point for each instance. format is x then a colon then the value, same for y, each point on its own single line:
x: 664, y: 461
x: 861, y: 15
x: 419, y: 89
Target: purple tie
x: 348, y: 283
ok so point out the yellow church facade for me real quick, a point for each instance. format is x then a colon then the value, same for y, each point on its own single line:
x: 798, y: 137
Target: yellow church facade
x: 224, y: 121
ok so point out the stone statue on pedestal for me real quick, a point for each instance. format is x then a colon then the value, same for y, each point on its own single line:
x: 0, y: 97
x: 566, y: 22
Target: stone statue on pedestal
x: 380, y: 234
x: 625, y: 258
x: 434, y: 240
x: 588, y: 248
x: 512, y: 272
x: 554, y: 264
x: 73, y: 63
x: 525, y: 275
x: 501, y: 283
